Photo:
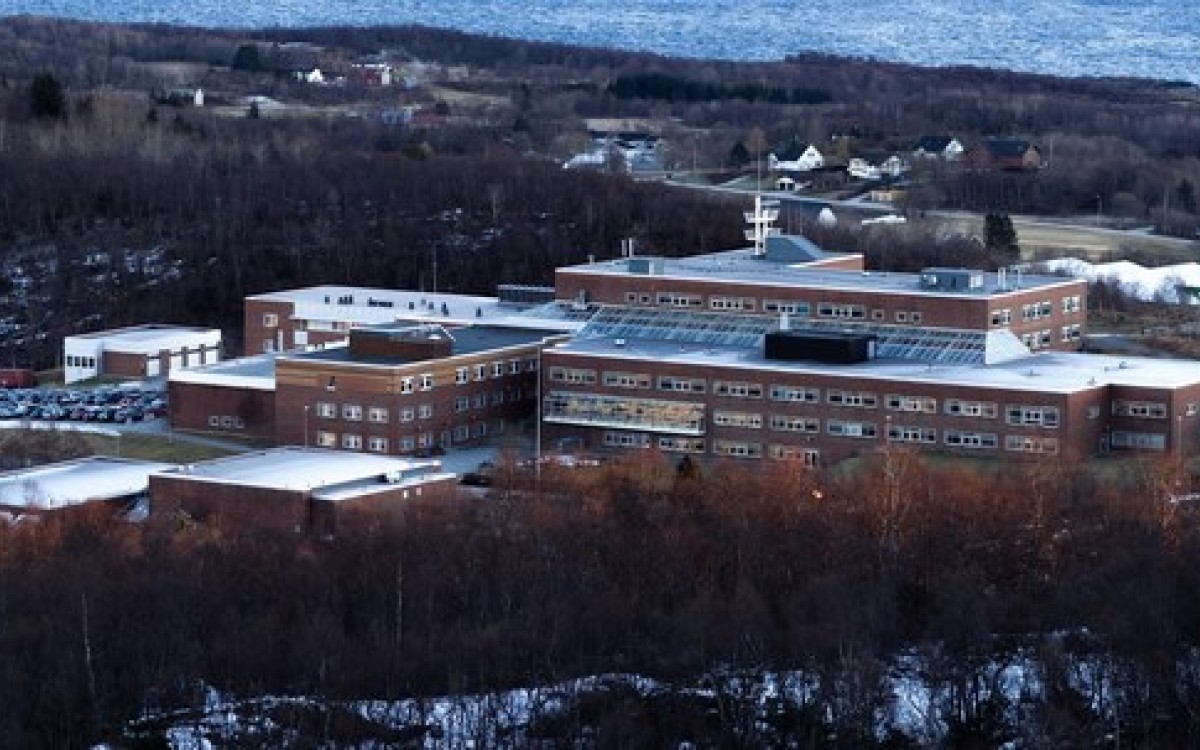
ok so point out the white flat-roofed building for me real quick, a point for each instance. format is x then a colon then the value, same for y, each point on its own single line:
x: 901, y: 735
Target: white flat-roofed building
x: 67, y: 484
x: 144, y: 351
x: 294, y: 488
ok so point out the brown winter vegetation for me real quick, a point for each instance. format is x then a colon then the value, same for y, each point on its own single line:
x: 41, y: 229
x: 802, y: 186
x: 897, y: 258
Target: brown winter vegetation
x: 640, y: 568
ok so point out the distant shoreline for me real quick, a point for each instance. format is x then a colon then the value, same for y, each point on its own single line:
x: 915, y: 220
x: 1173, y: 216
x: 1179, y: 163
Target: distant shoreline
x: 1080, y: 39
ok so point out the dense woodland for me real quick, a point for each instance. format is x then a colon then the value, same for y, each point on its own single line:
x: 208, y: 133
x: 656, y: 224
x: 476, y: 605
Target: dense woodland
x: 642, y: 568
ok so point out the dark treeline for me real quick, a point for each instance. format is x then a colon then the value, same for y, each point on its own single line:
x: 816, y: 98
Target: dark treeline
x: 640, y: 569
x: 213, y: 209
x: 676, y: 89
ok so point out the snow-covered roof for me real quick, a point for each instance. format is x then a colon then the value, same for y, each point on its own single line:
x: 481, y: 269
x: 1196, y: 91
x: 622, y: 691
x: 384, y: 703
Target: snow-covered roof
x: 256, y: 373
x: 311, y: 469
x: 60, y: 485
x: 151, y: 338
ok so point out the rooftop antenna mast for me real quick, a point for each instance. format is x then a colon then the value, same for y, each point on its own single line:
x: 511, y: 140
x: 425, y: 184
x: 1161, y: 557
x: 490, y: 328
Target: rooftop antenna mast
x: 761, y: 221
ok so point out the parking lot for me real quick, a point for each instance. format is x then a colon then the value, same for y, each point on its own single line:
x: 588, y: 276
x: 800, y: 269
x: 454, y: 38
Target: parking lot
x: 117, y: 404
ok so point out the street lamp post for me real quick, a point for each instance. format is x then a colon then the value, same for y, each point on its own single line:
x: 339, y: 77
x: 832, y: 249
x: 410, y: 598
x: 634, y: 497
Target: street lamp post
x: 306, y: 425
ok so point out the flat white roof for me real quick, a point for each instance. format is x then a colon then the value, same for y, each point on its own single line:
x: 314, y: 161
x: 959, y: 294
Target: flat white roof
x: 1047, y: 372
x: 299, y: 468
x: 743, y: 267
x: 256, y: 373
x: 367, y: 306
x: 68, y: 483
x: 150, y: 338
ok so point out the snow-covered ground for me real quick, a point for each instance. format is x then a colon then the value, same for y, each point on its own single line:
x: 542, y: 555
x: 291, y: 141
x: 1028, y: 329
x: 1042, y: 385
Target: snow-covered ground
x: 1159, y: 283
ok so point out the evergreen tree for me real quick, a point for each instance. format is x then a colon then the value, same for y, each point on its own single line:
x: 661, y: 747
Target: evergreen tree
x: 999, y: 234
x: 46, y: 99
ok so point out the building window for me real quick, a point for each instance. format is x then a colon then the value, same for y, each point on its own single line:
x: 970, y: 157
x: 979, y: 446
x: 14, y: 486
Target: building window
x: 407, y: 444
x: 795, y: 394
x: 901, y: 317
x: 407, y: 415
x: 856, y: 399
x: 214, y: 421
x: 352, y: 442
x: 746, y: 304
x: 377, y: 444
x: 1032, y: 416
x: 736, y: 449
x: 1023, y: 444
x: 672, y: 299
x: 461, y: 375
x: 497, y: 369
x: 462, y: 403
x: 839, y: 428
x: 462, y: 432
x: 921, y: 404
x: 406, y: 384
x: 352, y: 412
x: 737, y: 419
x: 626, y: 440
x: 1072, y: 304
x: 479, y: 401
x: 425, y: 411
x: 898, y: 433
x: 785, y: 423
x: 626, y: 380
x: 378, y: 415
x: 480, y: 372
x: 687, y: 385
x: 1001, y: 317
x: 497, y: 398
x: 620, y: 412
x: 1143, y: 409
x: 326, y: 410
x: 479, y: 429
x: 572, y: 375
x: 1146, y: 441
x: 326, y: 439
x: 808, y: 457
x: 514, y: 367
x: 674, y: 444
x: 791, y: 307
x: 956, y: 408
x: 737, y: 389
x: 964, y: 439
x: 270, y: 320
x: 426, y: 382
x: 831, y: 310
x: 914, y: 317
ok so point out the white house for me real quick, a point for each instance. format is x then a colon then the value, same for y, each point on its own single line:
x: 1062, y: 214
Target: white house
x: 941, y: 147
x: 795, y: 157
x: 144, y: 351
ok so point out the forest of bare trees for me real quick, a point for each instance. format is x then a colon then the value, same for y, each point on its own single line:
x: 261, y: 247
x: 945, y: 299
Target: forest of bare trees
x: 641, y: 568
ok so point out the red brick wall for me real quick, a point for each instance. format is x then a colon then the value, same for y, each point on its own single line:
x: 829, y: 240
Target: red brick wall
x: 192, y: 406
x: 224, y: 504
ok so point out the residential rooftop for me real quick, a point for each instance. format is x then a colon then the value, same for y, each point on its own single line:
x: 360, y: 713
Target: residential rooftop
x: 67, y: 483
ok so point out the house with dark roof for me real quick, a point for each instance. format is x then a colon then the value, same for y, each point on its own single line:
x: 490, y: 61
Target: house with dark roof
x: 944, y: 147
x: 1014, y: 154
